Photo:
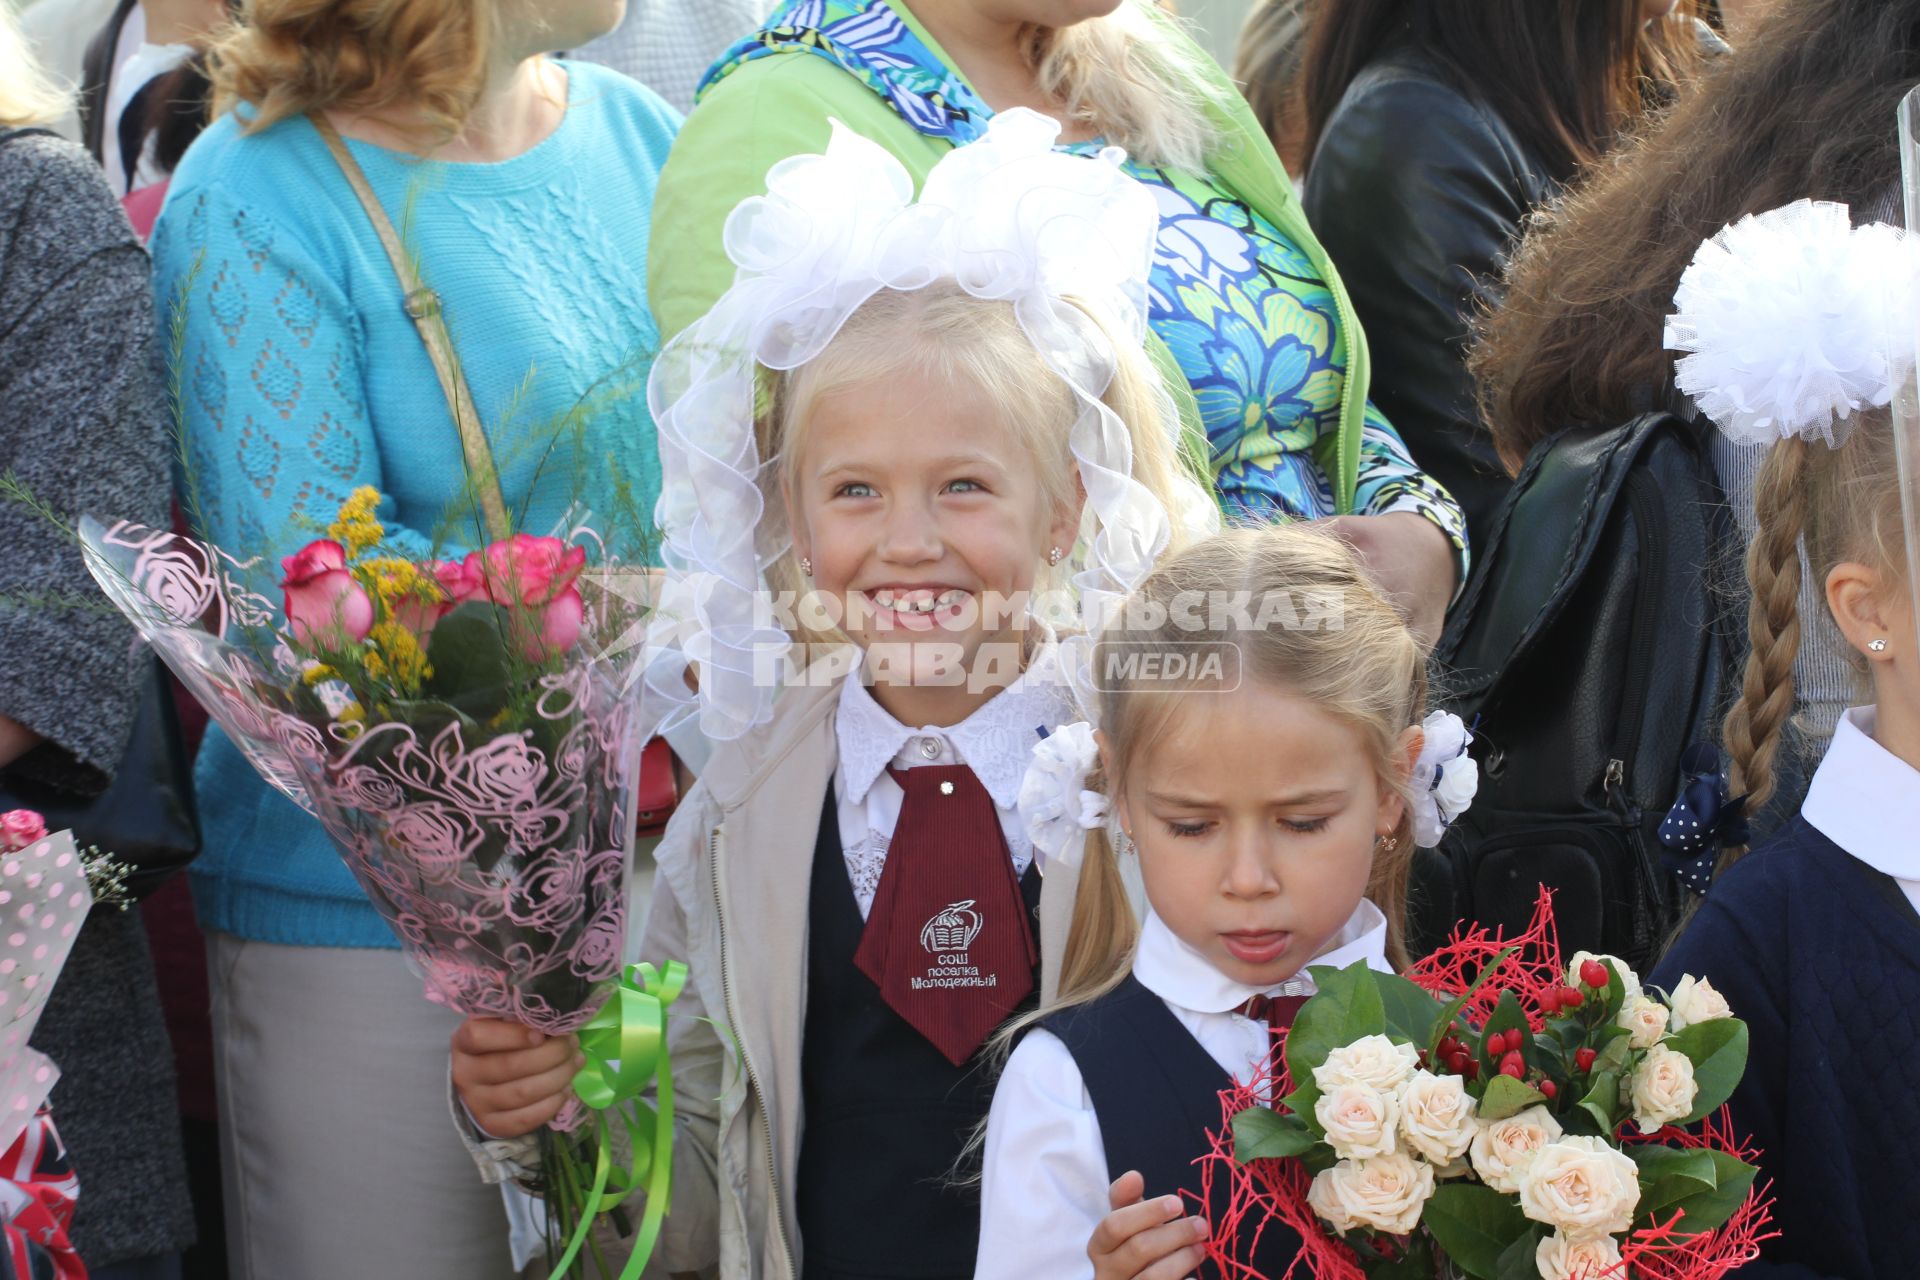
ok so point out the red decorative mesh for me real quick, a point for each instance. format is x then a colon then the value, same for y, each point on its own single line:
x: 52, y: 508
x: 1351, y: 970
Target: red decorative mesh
x: 1257, y: 1195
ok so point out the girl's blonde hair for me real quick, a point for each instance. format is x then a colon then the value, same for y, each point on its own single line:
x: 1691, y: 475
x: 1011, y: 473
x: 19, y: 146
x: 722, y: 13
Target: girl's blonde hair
x: 288, y: 58
x: 1845, y: 504
x: 1351, y: 655
x: 963, y: 341
x: 1123, y: 77
x: 28, y: 95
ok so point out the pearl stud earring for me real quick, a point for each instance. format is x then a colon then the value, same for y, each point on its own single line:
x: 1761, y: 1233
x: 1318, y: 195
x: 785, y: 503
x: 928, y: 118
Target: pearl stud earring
x: 1878, y: 645
x: 806, y: 565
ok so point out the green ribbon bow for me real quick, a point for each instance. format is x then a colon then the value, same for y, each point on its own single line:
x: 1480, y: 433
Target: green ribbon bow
x: 626, y: 1050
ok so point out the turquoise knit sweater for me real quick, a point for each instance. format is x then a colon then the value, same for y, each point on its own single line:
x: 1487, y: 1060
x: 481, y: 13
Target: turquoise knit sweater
x: 303, y: 378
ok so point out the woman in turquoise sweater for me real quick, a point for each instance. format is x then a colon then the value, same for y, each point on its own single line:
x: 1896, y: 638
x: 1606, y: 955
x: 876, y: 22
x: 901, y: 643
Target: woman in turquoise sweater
x: 1246, y: 308
x: 523, y: 187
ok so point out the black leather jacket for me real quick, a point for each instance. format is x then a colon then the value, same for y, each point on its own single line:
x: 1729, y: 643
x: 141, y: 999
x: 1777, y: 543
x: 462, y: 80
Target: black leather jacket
x: 1418, y: 190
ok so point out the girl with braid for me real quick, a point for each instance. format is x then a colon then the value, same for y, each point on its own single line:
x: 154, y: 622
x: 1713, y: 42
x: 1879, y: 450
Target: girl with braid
x: 1799, y: 331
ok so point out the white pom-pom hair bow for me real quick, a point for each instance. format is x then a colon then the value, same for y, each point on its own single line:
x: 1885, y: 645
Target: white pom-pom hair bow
x: 1445, y: 777
x: 1795, y: 318
x: 1054, y: 800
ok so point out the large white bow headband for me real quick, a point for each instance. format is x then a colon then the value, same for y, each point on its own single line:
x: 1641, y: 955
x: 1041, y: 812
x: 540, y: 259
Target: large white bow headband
x: 1795, y: 318
x: 1006, y: 217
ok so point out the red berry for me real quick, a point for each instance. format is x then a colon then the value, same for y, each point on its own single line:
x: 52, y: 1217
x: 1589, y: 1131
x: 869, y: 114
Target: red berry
x: 1473, y: 1069
x: 1514, y: 1069
x: 1513, y: 1064
x: 1583, y: 1059
x: 1496, y: 1043
x: 1458, y: 1062
x: 1550, y: 1089
x: 1449, y: 1046
x: 1570, y: 998
x: 1594, y: 974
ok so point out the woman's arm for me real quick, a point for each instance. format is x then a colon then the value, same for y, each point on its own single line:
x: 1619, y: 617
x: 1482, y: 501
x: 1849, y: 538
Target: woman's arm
x: 86, y: 435
x: 270, y: 362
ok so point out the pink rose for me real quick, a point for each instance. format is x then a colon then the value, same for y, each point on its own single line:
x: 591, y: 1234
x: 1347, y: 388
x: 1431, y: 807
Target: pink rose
x: 21, y: 829
x: 326, y: 606
x: 462, y: 582
x: 534, y: 578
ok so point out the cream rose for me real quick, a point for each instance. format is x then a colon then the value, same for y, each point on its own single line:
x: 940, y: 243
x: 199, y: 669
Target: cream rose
x: 1646, y: 1018
x: 1582, y: 1186
x: 1500, y: 1147
x: 1628, y: 978
x: 1436, y: 1116
x: 1661, y: 1090
x: 1385, y: 1193
x: 1374, y: 1061
x: 1360, y: 1121
x: 1695, y: 1000
x: 1561, y: 1258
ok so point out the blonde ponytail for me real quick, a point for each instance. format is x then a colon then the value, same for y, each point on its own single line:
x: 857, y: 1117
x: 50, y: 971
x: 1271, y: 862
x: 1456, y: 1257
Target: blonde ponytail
x: 1130, y: 81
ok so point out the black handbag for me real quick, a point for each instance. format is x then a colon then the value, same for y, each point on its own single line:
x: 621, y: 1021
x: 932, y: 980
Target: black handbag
x: 145, y: 818
x: 1587, y: 652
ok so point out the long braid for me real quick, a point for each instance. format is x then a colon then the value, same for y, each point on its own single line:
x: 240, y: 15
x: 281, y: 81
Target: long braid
x: 1756, y: 724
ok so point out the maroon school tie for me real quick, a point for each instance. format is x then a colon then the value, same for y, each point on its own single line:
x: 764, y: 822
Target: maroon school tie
x: 1278, y: 1012
x: 948, y: 941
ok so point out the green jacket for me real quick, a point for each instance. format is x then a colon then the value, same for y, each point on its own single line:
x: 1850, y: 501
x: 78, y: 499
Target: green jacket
x: 777, y: 107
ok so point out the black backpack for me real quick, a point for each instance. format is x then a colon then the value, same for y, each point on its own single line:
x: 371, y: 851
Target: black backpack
x: 1587, y: 652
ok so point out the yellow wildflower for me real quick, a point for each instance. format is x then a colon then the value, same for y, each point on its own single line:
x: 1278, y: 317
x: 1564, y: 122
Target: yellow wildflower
x: 316, y: 673
x: 356, y: 527
x: 404, y: 661
x: 352, y: 713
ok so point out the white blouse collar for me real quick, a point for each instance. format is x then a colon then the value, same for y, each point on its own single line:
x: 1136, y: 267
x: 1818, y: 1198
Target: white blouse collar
x: 1866, y: 799
x: 996, y: 741
x: 1180, y: 975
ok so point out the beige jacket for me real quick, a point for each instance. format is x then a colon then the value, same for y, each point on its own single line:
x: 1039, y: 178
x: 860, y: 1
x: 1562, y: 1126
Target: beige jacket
x: 731, y: 900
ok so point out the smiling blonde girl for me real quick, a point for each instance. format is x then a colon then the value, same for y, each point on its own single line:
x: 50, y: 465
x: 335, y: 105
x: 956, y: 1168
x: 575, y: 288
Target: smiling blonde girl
x: 850, y: 883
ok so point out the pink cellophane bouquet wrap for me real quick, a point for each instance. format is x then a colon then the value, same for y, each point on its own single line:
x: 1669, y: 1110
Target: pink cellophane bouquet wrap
x: 465, y: 731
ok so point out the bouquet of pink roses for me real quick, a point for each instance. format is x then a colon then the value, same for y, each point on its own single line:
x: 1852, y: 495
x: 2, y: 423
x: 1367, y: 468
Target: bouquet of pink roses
x: 468, y: 732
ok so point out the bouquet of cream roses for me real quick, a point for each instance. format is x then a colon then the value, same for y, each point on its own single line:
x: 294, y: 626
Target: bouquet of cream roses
x: 1533, y: 1122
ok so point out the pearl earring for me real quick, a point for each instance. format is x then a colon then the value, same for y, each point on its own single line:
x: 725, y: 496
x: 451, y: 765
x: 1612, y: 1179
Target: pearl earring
x: 1879, y: 645
x: 1053, y: 556
x: 806, y: 565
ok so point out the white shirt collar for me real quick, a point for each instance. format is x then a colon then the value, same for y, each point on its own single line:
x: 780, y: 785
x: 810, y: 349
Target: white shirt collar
x: 996, y: 741
x: 1180, y: 975
x: 1866, y: 799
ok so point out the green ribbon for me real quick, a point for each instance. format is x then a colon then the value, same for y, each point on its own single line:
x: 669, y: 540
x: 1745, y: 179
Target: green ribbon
x: 625, y: 1044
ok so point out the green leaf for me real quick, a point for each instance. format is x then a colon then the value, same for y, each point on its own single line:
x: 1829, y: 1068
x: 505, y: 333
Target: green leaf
x: 1410, y: 1011
x: 1708, y: 1210
x: 1616, y: 992
x: 1603, y: 1101
x: 468, y: 652
x: 1615, y: 1045
x: 1506, y: 1096
x: 1718, y: 1051
x: 1520, y: 1259
x: 1261, y: 1133
x: 1452, y: 1008
x: 1346, y: 1008
x: 1668, y: 1175
x: 1474, y: 1225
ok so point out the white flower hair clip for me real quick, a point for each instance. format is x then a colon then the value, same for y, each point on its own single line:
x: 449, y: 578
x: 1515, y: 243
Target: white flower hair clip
x: 1054, y: 801
x: 1445, y: 778
x: 1793, y: 319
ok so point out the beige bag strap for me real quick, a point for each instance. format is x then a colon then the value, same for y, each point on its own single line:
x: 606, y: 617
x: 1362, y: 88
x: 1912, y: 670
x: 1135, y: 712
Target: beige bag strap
x: 423, y: 305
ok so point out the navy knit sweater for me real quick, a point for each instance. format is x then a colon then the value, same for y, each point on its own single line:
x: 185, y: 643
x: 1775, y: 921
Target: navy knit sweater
x: 1820, y: 954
